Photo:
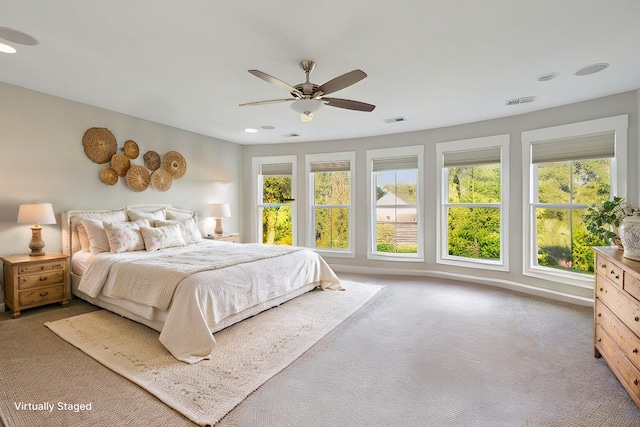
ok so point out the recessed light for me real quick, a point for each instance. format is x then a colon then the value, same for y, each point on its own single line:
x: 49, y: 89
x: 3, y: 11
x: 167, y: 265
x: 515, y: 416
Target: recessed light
x: 5, y: 48
x: 547, y: 77
x: 267, y: 127
x: 251, y: 130
x: 591, y: 69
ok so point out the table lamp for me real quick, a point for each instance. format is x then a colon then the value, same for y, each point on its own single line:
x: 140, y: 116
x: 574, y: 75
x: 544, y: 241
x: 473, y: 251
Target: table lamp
x: 36, y: 213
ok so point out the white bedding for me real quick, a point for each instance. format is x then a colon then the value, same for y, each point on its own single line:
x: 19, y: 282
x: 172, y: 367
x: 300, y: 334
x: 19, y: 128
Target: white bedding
x: 205, y: 300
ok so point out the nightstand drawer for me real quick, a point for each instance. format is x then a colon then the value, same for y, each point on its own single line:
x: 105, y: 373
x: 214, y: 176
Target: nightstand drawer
x: 41, y: 296
x: 39, y: 280
x: 41, y: 267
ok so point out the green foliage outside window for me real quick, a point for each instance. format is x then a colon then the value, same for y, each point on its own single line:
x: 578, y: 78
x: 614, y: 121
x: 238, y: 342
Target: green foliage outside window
x: 277, y: 224
x: 332, y: 196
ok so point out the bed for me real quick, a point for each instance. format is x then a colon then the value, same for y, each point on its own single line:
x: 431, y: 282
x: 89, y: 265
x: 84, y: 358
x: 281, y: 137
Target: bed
x: 150, y: 264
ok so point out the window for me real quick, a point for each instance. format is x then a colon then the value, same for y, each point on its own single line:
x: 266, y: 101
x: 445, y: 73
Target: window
x: 395, y: 182
x: 473, y: 208
x: 570, y: 167
x: 331, y: 180
x: 276, y: 204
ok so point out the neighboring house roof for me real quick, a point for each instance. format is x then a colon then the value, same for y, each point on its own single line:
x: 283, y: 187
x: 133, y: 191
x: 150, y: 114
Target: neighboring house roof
x: 391, y: 199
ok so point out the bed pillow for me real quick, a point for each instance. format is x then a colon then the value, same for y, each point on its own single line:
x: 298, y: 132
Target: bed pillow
x: 188, y: 228
x: 160, y: 214
x: 83, y: 237
x: 166, y: 236
x: 98, y: 241
x: 125, y: 236
x: 175, y: 214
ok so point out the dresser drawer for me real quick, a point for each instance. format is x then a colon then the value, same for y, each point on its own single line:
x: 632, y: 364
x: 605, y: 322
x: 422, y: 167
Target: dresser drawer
x: 632, y: 285
x: 38, y: 280
x: 628, y: 342
x: 41, y: 296
x: 626, y: 372
x: 41, y: 267
x: 623, y: 306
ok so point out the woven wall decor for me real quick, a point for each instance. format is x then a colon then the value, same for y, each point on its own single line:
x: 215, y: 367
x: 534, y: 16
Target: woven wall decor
x: 138, y: 178
x: 152, y: 160
x: 120, y: 163
x: 175, y: 164
x: 99, y: 144
x: 161, y: 180
x: 108, y: 175
x: 131, y: 149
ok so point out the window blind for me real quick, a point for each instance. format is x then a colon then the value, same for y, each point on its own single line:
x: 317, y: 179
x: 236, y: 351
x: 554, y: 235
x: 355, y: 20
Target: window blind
x: 593, y: 146
x: 395, y: 163
x: 276, y: 169
x: 331, y: 166
x: 484, y: 156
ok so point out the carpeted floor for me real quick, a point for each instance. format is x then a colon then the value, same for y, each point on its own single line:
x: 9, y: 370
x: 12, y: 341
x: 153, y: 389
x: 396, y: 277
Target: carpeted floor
x: 423, y: 352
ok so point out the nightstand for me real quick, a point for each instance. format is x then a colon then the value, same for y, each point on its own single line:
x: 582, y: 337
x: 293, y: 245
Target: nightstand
x: 231, y: 237
x: 31, y: 281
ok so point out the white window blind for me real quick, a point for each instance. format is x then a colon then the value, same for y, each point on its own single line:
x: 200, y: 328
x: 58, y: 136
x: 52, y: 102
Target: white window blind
x: 331, y: 166
x: 484, y: 156
x: 276, y: 169
x: 593, y: 146
x: 394, y: 163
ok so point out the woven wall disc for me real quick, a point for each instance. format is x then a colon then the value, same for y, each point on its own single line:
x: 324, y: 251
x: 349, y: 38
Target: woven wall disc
x: 138, y: 178
x: 131, y: 149
x: 120, y: 163
x: 175, y: 164
x: 108, y: 175
x: 152, y: 160
x: 99, y: 144
x: 161, y: 180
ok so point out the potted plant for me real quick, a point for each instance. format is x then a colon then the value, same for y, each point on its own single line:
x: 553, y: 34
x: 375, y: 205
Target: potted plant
x: 601, y: 217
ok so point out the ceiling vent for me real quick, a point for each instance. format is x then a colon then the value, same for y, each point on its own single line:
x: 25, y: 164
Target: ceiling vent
x: 395, y: 120
x: 291, y: 135
x: 523, y: 100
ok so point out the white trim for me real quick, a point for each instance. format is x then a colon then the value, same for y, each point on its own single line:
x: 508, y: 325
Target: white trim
x: 414, y: 150
x: 619, y: 125
x: 499, y: 283
x: 442, y: 257
x: 350, y: 252
x: 256, y: 163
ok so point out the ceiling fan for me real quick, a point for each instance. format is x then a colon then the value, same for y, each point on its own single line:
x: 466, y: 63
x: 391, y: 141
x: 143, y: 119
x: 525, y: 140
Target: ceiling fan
x: 309, y: 97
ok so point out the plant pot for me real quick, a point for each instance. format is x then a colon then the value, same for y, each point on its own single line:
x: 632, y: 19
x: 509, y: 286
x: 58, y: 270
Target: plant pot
x: 630, y: 236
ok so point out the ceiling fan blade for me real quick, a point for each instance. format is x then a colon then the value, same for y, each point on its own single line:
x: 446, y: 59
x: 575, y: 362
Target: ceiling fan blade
x: 270, y: 79
x: 348, y: 104
x: 342, y: 81
x: 271, y: 101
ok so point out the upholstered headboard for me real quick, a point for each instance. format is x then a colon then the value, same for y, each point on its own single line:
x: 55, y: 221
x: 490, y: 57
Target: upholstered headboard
x: 71, y: 218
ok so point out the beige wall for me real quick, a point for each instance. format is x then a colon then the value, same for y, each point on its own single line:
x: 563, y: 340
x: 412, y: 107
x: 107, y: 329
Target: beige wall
x: 42, y: 159
x: 626, y: 103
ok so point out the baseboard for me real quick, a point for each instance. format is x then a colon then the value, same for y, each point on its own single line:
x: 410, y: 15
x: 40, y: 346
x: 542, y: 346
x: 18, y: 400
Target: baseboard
x: 505, y: 284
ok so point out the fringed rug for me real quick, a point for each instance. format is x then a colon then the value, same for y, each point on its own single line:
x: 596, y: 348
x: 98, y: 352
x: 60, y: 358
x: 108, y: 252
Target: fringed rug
x: 246, y: 354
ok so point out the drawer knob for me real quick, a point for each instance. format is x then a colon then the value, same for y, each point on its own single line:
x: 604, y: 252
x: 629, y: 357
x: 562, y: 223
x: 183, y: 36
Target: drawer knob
x: 601, y: 289
x: 635, y: 350
x: 636, y: 318
x: 42, y: 267
x: 599, y: 339
x: 599, y: 314
x: 43, y: 278
x: 44, y: 294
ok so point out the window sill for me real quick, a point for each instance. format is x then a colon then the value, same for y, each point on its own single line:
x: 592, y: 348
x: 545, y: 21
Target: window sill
x: 468, y: 263
x: 395, y: 257
x: 573, y: 279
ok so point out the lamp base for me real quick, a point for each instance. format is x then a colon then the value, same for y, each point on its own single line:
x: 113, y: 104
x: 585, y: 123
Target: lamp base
x: 218, y: 229
x: 37, y: 244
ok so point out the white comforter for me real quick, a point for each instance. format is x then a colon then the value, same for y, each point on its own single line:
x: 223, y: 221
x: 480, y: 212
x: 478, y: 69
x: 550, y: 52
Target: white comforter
x: 202, y: 300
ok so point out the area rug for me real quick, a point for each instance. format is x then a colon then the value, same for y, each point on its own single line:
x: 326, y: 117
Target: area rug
x: 246, y: 354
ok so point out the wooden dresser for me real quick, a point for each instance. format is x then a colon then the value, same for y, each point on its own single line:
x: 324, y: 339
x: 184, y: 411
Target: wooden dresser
x: 617, y: 316
x: 31, y: 281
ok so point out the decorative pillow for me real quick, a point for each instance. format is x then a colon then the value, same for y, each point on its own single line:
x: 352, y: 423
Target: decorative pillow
x: 98, y: 241
x: 85, y: 245
x: 166, y: 236
x: 175, y: 214
x: 125, y: 236
x: 160, y: 214
x: 190, y: 232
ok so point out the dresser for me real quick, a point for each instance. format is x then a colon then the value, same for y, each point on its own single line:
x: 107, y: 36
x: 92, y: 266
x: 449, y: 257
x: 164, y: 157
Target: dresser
x: 617, y: 316
x: 31, y: 281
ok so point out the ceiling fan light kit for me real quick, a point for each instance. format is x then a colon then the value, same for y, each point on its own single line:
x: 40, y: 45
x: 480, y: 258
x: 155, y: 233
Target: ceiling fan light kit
x: 308, y: 97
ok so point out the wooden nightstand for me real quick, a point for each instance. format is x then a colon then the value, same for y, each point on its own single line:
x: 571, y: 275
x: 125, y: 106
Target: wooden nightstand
x: 31, y: 281
x: 231, y: 237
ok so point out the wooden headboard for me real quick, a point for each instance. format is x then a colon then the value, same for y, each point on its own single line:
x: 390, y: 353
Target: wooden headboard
x: 70, y: 219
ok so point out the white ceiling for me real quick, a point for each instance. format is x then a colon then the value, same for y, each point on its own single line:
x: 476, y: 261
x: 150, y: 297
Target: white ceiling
x: 436, y: 63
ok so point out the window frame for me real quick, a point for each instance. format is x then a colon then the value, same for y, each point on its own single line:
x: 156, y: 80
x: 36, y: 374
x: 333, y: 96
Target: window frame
x: 389, y: 153
x: 257, y: 188
x: 500, y: 142
x: 618, y: 174
x: 350, y: 156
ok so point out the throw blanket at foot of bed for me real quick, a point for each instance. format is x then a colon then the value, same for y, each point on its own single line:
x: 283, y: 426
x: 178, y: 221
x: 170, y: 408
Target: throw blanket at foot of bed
x: 153, y: 281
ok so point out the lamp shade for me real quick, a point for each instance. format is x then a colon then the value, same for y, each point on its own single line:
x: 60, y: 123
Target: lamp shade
x: 306, y: 106
x: 36, y: 213
x: 220, y: 210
